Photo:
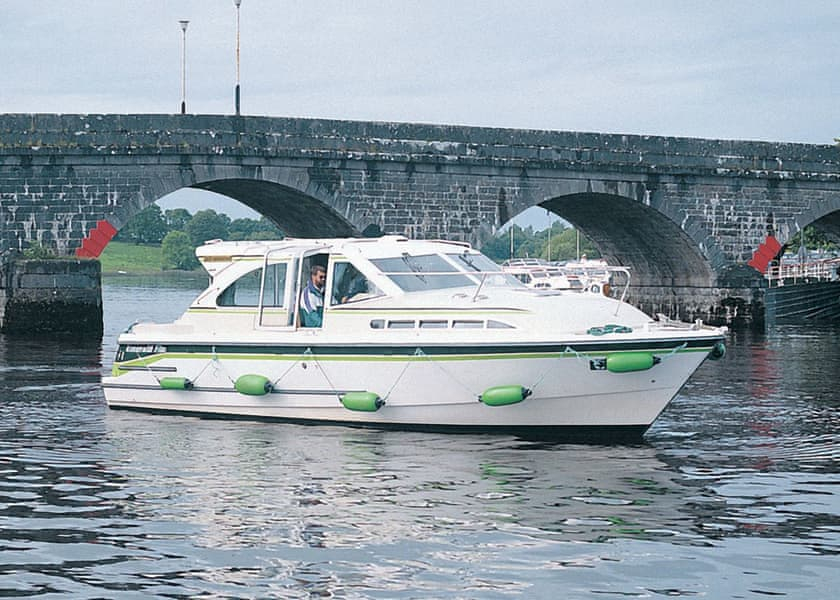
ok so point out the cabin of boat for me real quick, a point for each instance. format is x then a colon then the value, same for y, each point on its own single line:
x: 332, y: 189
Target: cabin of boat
x: 261, y: 281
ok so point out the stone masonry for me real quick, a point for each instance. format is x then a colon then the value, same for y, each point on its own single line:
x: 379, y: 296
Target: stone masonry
x: 684, y: 214
x: 51, y: 298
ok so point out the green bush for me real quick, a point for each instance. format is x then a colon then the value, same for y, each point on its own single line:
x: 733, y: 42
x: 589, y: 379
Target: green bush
x: 177, y: 252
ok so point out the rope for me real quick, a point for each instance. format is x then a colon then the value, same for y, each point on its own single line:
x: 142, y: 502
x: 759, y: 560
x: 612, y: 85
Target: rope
x: 417, y: 352
x: 567, y: 350
x: 204, y: 368
x: 420, y: 353
x: 674, y: 351
x: 579, y: 356
x: 152, y: 373
x: 287, y: 371
x: 324, y: 373
x: 609, y: 328
x: 217, y: 366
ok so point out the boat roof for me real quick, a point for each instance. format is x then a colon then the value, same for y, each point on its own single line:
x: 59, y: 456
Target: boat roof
x: 389, y: 245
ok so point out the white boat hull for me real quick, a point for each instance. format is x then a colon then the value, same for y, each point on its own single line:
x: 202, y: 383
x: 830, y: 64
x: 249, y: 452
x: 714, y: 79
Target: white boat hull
x: 419, y: 391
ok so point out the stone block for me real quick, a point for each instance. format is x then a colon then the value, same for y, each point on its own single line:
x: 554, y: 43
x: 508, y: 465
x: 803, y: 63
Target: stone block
x: 52, y: 298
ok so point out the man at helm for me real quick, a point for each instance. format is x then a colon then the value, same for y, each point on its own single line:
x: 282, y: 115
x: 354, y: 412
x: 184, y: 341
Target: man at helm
x: 312, y: 298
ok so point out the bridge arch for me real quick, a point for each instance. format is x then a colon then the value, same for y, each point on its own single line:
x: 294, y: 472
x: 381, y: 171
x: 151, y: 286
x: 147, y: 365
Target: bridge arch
x: 297, y: 214
x: 631, y: 234
x: 823, y: 216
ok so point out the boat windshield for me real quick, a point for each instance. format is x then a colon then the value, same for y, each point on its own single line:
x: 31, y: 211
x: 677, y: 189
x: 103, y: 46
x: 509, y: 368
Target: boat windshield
x: 417, y: 273
x: 488, y: 270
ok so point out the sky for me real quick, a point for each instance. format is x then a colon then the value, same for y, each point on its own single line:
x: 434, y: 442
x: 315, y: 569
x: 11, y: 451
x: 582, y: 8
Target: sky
x: 735, y: 69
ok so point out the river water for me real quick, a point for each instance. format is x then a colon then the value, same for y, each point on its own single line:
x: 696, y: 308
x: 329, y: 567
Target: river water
x: 734, y: 494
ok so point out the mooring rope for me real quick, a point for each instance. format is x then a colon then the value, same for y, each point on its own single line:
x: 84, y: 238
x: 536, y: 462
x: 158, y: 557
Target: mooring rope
x: 417, y: 352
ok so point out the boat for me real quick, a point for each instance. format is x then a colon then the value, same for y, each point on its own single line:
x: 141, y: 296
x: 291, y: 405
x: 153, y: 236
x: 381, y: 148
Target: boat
x: 414, y: 334
x: 803, y: 291
x: 540, y: 274
x: 584, y: 275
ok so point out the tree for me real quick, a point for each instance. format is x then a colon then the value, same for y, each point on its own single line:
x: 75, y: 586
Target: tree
x: 266, y: 230
x: 208, y: 225
x: 814, y: 240
x: 241, y: 229
x: 535, y: 244
x: 178, y: 252
x: 146, y: 227
x: 177, y: 218
x: 499, y: 247
x: 564, y: 246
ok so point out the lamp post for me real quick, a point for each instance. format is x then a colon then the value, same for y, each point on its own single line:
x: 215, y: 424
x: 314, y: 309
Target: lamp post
x: 237, y: 3
x: 184, y: 66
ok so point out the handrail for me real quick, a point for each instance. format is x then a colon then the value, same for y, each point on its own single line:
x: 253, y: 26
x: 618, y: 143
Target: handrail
x: 821, y: 270
x: 423, y: 273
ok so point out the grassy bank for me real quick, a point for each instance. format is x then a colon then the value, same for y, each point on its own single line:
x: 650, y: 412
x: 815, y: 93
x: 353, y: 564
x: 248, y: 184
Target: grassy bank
x: 130, y: 258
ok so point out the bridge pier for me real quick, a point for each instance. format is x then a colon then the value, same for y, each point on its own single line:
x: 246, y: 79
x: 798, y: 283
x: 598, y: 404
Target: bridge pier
x: 51, y: 298
x: 741, y: 307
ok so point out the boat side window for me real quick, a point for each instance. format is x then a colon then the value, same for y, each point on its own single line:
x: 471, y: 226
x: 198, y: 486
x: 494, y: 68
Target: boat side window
x: 439, y: 324
x: 350, y: 285
x: 274, y: 289
x: 272, y: 311
x: 245, y: 291
x: 434, y: 324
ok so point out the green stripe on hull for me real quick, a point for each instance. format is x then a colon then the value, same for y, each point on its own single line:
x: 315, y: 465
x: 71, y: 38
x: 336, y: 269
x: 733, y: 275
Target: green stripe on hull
x: 426, y: 354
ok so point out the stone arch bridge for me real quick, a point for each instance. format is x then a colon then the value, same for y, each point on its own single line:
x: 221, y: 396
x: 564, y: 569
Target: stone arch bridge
x: 686, y: 215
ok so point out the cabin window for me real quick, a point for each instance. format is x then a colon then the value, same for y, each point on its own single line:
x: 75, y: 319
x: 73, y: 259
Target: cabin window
x: 400, y: 324
x: 377, y: 324
x: 274, y: 288
x: 273, y: 312
x: 492, y: 324
x: 467, y: 324
x: 484, y: 266
x: 434, y: 324
x: 421, y: 273
x: 245, y: 291
x: 350, y: 285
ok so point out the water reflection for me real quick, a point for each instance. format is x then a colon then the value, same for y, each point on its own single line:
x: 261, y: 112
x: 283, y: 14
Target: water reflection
x: 735, y: 492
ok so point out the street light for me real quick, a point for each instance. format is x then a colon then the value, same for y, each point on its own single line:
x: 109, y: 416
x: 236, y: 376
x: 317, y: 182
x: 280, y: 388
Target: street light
x: 237, y: 3
x: 184, y: 66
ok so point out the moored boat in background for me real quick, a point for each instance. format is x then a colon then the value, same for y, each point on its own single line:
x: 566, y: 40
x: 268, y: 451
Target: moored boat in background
x: 803, y: 291
x: 583, y: 275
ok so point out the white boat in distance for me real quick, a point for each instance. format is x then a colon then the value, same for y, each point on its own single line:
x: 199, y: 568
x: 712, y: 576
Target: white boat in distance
x: 415, y: 334
x: 583, y: 275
